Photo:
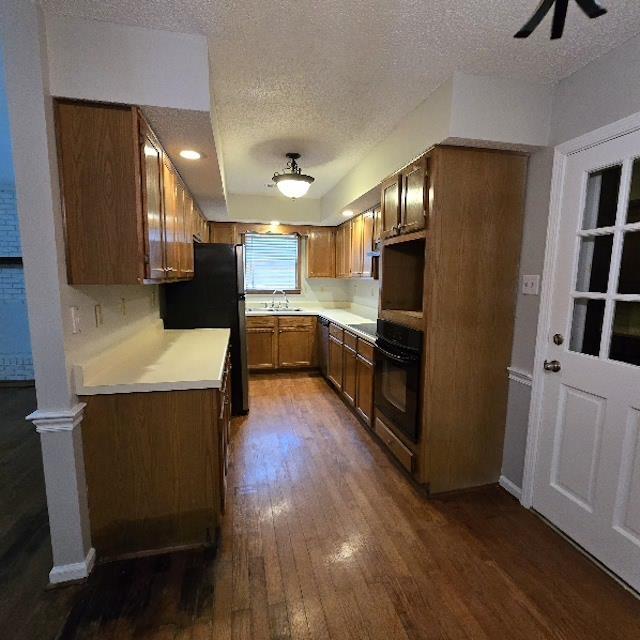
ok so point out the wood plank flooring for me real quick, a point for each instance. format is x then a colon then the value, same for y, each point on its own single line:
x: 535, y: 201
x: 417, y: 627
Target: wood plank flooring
x: 325, y: 538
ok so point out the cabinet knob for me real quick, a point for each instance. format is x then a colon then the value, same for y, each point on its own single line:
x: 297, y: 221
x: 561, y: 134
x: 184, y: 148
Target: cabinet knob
x: 552, y: 365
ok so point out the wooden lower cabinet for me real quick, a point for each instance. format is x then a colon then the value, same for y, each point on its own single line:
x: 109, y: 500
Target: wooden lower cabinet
x: 262, y: 342
x: 350, y: 374
x: 155, y: 468
x: 364, y: 394
x: 281, y: 342
x: 335, y: 364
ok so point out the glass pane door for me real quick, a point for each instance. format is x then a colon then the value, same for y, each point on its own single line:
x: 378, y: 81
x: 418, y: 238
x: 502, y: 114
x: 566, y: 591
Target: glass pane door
x: 606, y: 296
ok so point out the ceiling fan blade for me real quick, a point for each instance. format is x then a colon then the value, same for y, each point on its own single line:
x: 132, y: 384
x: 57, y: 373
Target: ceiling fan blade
x: 559, y: 19
x: 591, y: 8
x: 539, y: 14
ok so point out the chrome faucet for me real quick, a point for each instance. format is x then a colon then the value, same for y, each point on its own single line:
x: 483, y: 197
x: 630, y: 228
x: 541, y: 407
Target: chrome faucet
x: 273, y: 298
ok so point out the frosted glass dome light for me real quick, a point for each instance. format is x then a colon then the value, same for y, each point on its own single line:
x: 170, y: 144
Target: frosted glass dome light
x: 292, y: 183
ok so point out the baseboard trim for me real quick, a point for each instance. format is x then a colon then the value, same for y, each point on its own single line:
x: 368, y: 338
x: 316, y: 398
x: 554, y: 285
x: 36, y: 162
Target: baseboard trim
x: 511, y: 487
x: 73, y: 572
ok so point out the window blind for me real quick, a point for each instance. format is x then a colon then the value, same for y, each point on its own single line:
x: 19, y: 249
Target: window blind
x: 271, y: 262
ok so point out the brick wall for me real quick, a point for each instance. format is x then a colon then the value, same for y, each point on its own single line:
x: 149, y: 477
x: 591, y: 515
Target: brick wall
x: 15, y: 346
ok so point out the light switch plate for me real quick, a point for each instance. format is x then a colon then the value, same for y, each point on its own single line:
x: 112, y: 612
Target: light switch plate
x: 75, y: 319
x: 531, y: 285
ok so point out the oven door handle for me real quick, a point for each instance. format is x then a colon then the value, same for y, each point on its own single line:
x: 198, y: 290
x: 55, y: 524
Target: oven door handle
x: 396, y: 358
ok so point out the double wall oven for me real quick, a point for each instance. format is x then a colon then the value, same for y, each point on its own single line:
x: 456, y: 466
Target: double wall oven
x: 398, y: 377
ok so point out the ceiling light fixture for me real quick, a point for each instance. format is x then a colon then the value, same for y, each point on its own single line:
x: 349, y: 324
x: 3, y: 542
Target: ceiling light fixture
x: 348, y: 213
x: 275, y: 223
x: 190, y: 154
x: 292, y: 182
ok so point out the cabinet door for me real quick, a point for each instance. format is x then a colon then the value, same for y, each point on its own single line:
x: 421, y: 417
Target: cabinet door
x: 187, y: 239
x: 170, y: 197
x: 296, y: 346
x: 151, y: 163
x: 343, y: 250
x: 321, y: 253
x: 357, y: 227
x: 413, y: 214
x: 223, y: 233
x: 262, y: 347
x: 349, y: 375
x: 334, y: 369
x: 368, y: 222
x: 364, y: 394
x: 390, y: 201
x: 377, y: 225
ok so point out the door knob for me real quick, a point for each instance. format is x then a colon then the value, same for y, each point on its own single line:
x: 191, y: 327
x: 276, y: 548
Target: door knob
x: 552, y: 365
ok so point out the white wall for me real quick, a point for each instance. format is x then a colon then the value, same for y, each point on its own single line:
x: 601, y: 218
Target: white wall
x: 117, y: 63
x: 600, y: 93
x: 604, y: 91
x: 258, y: 208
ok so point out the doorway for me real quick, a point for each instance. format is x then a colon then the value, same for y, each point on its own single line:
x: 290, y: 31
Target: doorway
x: 583, y: 470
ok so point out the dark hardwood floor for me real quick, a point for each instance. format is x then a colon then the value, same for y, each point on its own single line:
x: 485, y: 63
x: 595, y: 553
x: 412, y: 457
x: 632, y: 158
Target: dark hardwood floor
x: 323, y: 538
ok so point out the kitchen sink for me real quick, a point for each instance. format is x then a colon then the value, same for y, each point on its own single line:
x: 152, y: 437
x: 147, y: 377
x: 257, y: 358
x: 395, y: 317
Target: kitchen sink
x: 274, y: 309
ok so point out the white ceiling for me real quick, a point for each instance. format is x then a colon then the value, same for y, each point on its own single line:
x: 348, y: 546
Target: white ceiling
x: 330, y: 79
x: 179, y: 129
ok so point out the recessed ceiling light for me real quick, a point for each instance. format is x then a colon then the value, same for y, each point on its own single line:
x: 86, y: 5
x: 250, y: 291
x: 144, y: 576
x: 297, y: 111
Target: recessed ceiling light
x: 190, y: 154
x: 348, y: 213
x: 275, y: 223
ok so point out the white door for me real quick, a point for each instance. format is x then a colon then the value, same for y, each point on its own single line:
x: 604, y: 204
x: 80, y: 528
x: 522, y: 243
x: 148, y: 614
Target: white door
x: 587, y: 474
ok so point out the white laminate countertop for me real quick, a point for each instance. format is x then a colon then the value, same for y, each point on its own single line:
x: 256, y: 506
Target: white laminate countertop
x: 162, y: 360
x: 343, y: 317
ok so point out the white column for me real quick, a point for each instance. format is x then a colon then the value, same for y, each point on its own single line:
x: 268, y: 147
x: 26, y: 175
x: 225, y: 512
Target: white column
x: 59, y: 415
x: 63, y: 460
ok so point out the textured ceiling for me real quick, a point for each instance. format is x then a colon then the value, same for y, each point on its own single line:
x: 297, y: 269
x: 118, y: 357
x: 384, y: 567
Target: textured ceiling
x: 329, y: 79
x: 179, y: 129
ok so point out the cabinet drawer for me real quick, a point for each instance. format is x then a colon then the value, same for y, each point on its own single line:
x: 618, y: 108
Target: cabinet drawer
x: 296, y: 321
x: 366, y: 349
x: 350, y: 340
x: 261, y: 321
x: 402, y: 454
x: 336, y: 331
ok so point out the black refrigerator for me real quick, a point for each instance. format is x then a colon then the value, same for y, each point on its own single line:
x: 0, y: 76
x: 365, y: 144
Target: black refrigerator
x: 214, y: 298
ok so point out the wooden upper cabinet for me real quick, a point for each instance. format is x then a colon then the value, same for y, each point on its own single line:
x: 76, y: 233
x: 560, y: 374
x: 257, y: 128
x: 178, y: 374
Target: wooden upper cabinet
x: 122, y: 213
x: 321, y: 253
x: 172, y: 232
x: 101, y: 192
x: 343, y: 250
x: 186, y: 254
x: 377, y: 225
x: 368, y: 224
x: 357, y: 227
x: 390, y: 205
x: 414, y: 195
x: 223, y: 233
x: 152, y: 209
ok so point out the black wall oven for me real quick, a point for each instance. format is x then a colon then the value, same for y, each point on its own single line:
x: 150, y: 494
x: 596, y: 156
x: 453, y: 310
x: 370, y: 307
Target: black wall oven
x: 398, y: 377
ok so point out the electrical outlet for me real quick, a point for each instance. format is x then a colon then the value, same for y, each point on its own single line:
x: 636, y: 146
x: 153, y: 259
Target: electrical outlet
x: 75, y: 320
x: 531, y: 285
x: 123, y: 306
x: 97, y: 312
